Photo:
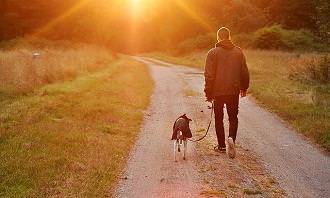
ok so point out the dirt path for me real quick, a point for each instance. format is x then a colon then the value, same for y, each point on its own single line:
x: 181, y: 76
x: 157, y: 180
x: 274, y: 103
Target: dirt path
x: 151, y: 171
x: 271, y: 156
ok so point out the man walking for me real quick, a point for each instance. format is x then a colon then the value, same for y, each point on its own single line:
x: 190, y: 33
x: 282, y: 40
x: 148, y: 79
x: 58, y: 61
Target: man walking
x: 226, y: 77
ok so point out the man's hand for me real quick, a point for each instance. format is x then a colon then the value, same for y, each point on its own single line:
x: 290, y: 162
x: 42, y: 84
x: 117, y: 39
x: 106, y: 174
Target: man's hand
x: 243, y: 93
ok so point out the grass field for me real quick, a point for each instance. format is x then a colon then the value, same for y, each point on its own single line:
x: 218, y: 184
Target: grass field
x: 25, y: 67
x: 304, y: 104
x: 71, y: 137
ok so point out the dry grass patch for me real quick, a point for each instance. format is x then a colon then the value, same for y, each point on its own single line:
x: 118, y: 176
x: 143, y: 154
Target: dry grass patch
x: 23, y: 69
x: 213, y: 193
x: 252, y: 191
x: 310, y: 68
x: 71, y: 139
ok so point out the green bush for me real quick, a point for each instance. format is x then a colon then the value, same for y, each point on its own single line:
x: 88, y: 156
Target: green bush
x: 269, y: 38
x: 276, y: 37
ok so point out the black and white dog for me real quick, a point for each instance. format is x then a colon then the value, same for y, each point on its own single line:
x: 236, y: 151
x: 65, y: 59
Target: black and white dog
x: 181, y: 133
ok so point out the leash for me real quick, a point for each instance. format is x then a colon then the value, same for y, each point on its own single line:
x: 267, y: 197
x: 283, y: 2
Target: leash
x: 208, y: 127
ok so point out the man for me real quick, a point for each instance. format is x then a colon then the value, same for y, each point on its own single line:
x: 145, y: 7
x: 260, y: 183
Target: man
x: 226, y: 77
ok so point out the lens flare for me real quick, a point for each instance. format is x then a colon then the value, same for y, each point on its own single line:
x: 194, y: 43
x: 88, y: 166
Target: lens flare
x: 193, y: 14
x: 60, y: 18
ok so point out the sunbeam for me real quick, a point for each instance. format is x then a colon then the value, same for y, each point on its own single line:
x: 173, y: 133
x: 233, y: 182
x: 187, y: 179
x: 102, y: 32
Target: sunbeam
x: 191, y: 12
x: 60, y: 18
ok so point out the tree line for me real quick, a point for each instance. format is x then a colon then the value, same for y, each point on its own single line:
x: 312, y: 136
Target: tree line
x: 156, y: 24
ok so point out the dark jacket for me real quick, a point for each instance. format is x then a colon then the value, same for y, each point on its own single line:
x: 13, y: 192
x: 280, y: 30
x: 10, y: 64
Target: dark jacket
x: 226, y: 72
x: 182, y: 124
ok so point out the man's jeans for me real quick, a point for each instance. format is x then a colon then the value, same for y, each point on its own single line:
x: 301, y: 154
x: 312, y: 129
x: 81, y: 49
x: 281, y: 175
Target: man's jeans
x: 231, y: 102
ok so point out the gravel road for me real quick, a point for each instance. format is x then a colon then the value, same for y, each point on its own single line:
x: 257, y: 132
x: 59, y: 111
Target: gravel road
x: 299, y: 167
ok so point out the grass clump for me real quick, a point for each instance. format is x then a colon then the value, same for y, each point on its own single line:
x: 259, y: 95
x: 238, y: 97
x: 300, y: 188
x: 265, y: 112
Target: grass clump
x: 73, y: 139
x: 213, y: 193
x: 252, y: 191
x: 312, y: 68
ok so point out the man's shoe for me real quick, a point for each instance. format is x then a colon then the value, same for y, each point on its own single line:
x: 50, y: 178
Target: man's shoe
x: 219, y: 149
x: 231, y: 148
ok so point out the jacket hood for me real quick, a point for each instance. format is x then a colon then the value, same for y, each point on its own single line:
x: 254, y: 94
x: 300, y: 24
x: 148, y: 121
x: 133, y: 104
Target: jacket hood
x: 225, y: 44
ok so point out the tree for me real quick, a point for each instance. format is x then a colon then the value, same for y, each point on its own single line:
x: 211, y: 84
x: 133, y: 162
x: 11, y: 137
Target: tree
x: 294, y: 14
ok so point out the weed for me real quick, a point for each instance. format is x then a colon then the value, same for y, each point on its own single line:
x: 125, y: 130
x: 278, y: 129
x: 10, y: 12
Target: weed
x: 213, y: 193
x: 234, y: 186
x: 252, y: 191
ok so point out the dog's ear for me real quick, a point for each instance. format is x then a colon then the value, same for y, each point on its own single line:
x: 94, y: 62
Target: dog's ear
x: 188, y: 119
x: 185, y: 117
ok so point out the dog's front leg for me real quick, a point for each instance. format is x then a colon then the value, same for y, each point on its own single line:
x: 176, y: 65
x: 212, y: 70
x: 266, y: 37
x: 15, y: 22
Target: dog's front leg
x: 185, y: 149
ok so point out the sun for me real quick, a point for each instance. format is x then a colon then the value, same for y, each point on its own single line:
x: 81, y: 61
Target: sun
x: 141, y: 4
x: 140, y: 8
x: 135, y: 2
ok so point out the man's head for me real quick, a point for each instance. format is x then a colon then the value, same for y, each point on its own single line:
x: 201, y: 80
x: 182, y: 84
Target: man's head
x: 223, y: 34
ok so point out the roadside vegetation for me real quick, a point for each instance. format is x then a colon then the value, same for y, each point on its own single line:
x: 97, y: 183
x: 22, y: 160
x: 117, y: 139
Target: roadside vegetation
x: 26, y: 64
x: 273, y: 37
x: 294, y: 85
x: 66, y: 131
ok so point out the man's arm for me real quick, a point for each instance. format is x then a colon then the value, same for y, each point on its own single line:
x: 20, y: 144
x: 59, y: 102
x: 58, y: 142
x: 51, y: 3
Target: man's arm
x: 245, y: 77
x: 209, y: 74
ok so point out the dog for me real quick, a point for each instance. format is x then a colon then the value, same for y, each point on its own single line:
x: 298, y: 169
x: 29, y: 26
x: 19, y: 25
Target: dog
x: 181, y: 134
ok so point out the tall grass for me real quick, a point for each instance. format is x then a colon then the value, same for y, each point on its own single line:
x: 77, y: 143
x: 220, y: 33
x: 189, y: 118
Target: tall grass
x: 25, y: 68
x: 311, y: 68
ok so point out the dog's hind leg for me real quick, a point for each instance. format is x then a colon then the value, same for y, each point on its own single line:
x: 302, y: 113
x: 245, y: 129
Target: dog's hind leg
x: 175, y: 148
x: 185, y: 150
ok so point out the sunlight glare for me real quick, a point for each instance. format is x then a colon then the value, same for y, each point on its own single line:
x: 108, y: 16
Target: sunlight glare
x: 62, y: 17
x: 191, y: 12
x: 138, y: 7
x: 135, y: 3
x: 135, y: 6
